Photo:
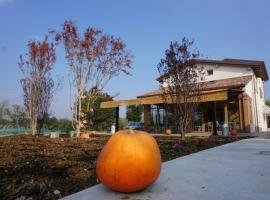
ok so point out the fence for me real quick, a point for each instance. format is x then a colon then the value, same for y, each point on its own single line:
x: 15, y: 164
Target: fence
x: 17, y: 131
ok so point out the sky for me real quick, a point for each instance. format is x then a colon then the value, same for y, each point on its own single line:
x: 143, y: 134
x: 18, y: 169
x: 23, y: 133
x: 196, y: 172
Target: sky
x: 220, y: 28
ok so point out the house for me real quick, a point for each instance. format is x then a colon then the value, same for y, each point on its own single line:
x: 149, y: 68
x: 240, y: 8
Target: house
x: 233, y: 94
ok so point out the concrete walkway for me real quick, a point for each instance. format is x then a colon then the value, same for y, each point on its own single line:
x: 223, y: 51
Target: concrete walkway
x: 239, y: 170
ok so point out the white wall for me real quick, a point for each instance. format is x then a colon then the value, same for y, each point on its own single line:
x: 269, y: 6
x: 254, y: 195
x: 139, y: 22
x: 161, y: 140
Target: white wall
x: 249, y: 91
x: 260, y: 101
x: 252, y: 89
x: 224, y: 72
x: 221, y: 72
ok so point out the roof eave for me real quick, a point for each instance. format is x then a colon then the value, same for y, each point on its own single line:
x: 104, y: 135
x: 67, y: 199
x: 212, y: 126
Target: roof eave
x: 260, y: 64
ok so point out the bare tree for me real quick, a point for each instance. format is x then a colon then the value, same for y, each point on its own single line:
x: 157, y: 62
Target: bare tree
x: 37, y: 84
x: 181, y: 90
x: 93, y: 59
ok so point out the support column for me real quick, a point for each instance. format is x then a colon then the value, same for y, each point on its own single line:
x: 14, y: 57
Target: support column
x: 246, y: 113
x: 158, y: 120
x: 226, y: 116
x: 116, y: 119
x: 165, y: 119
x: 203, y: 118
x: 147, y: 117
x: 214, y: 118
x: 240, y: 105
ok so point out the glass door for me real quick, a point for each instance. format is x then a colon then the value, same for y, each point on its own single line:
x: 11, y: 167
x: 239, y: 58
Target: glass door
x: 197, y: 121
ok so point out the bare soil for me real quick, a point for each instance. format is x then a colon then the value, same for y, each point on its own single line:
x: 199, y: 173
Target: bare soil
x: 43, y: 168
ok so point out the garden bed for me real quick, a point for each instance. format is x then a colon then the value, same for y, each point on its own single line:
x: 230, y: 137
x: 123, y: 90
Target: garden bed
x: 44, y: 168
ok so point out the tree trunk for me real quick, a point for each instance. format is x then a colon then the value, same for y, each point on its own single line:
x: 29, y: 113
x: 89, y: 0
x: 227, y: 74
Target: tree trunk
x: 78, y: 118
x: 182, y: 132
x: 79, y: 114
x: 34, y: 126
x: 78, y: 130
x: 183, y: 136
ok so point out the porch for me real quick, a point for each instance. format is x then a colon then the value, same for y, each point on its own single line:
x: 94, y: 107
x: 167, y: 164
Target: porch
x: 157, y: 118
x: 224, y: 106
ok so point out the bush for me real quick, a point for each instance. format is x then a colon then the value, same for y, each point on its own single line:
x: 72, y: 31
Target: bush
x: 64, y: 125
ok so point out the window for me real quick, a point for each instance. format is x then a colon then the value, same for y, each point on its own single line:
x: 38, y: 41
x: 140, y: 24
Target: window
x: 209, y: 72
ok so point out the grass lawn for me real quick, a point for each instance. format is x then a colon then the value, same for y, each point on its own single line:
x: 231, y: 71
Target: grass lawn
x: 40, y: 167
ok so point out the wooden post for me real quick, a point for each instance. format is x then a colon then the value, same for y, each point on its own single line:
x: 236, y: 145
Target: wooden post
x: 214, y: 118
x: 158, y: 120
x: 246, y: 113
x: 116, y: 119
x: 165, y: 119
x: 226, y: 117
x: 147, y: 117
x: 240, y: 106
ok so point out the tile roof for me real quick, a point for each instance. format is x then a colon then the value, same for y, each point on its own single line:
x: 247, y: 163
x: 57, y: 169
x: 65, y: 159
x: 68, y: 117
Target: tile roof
x: 229, y: 83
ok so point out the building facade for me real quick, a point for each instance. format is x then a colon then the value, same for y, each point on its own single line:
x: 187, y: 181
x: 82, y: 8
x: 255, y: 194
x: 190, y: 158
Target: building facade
x: 233, y: 95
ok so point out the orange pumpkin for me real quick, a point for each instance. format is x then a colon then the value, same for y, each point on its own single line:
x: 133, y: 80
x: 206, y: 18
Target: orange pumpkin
x: 129, y: 162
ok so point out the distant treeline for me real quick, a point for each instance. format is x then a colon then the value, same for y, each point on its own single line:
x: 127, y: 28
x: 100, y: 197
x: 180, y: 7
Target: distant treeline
x: 14, y: 118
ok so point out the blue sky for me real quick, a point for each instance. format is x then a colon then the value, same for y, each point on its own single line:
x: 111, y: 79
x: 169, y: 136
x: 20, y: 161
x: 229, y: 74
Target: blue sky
x: 220, y: 28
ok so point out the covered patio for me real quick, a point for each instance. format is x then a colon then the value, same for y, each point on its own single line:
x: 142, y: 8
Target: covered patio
x: 223, y: 106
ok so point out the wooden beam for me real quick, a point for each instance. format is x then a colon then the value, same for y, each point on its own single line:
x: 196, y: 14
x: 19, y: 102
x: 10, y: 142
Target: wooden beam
x: 152, y: 100
x: 117, y: 103
x: 206, y: 96
x: 215, y: 96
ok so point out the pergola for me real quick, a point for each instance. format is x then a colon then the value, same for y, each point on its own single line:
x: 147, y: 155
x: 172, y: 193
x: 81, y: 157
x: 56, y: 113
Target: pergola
x: 205, y: 96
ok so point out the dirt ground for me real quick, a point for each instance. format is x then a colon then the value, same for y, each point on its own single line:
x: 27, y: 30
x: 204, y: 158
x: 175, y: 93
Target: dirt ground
x: 44, y: 168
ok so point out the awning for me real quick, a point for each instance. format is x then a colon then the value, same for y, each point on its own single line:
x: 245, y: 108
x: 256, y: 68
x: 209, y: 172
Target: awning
x: 206, y: 96
x: 117, y: 103
x: 266, y: 110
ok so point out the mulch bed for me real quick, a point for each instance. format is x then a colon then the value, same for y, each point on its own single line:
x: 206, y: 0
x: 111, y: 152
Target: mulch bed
x: 44, y: 168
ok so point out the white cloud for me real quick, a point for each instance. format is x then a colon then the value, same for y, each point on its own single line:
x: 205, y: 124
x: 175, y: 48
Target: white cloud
x: 4, y: 2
